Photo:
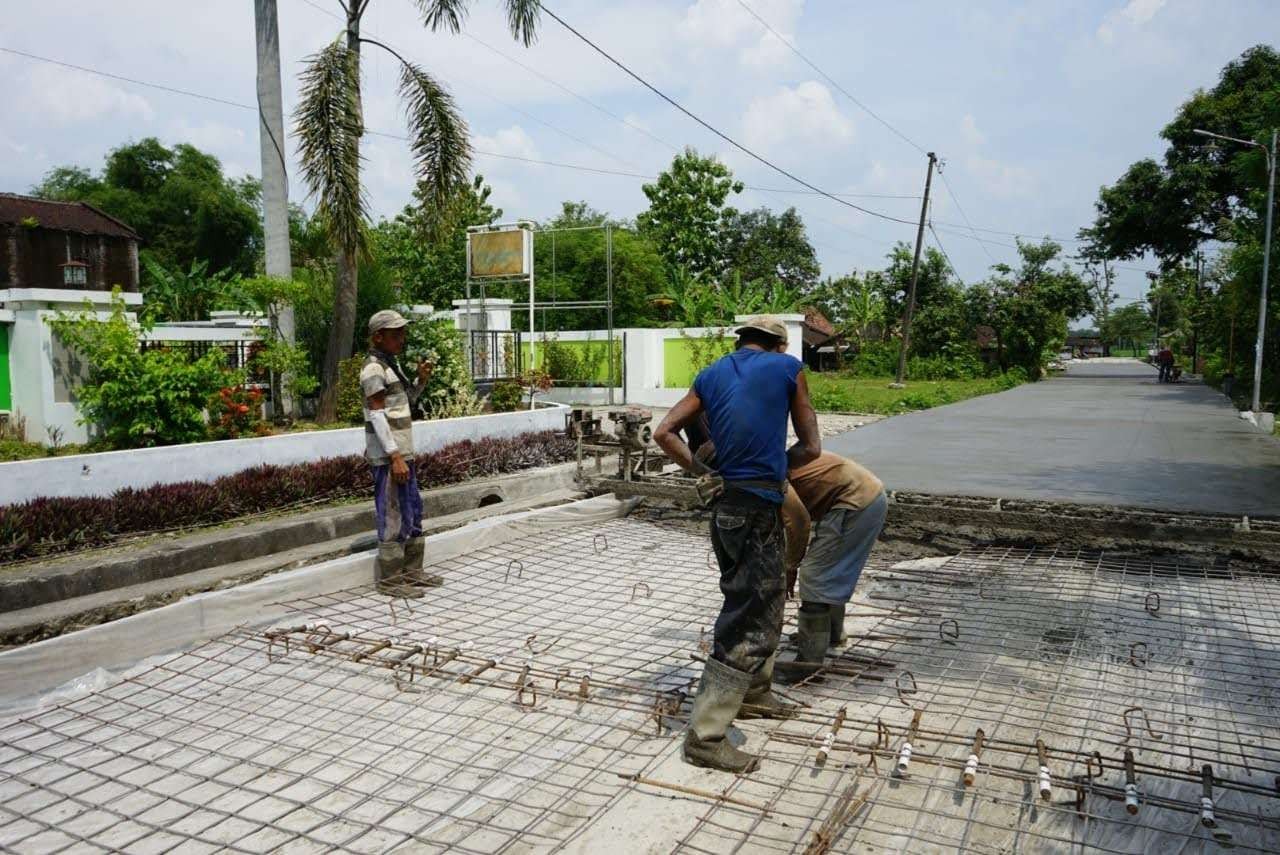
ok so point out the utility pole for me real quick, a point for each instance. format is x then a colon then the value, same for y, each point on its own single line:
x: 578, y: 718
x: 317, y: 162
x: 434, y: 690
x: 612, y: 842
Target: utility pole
x: 275, y: 179
x: 1266, y: 270
x: 915, y: 275
x: 1195, y: 320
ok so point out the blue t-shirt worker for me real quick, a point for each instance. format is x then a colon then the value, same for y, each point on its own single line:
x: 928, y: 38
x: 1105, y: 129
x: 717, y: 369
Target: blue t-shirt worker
x: 747, y: 397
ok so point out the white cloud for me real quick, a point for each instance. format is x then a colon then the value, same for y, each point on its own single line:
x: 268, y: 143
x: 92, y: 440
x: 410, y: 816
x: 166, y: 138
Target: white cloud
x: 1000, y: 179
x: 725, y: 25
x: 969, y: 131
x: 1133, y: 14
x: 806, y: 114
x: 512, y: 141
x: 66, y: 97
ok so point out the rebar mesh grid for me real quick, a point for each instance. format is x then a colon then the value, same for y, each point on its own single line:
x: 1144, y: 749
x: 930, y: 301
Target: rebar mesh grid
x: 541, y: 694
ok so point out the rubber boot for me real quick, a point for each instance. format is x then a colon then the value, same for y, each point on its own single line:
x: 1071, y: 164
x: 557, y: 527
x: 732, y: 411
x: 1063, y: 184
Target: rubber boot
x: 814, y: 636
x: 389, y: 572
x: 760, y: 701
x: 706, y: 742
x: 415, y: 550
x: 837, y: 625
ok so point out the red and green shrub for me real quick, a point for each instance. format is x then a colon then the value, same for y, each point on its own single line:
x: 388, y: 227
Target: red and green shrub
x: 53, y: 525
x: 234, y: 412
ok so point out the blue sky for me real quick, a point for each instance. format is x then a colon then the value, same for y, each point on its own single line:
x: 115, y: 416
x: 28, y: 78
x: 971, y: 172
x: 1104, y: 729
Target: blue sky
x: 1032, y: 106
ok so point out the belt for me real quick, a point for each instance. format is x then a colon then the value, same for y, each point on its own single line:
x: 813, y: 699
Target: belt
x: 712, y: 487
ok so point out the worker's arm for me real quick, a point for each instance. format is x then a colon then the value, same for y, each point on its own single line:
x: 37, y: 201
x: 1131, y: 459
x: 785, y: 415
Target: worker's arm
x: 377, y: 404
x: 805, y: 421
x: 667, y: 436
x: 795, y: 523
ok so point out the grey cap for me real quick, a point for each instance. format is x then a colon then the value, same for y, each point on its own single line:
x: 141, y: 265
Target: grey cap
x: 387, y: 319
x: 769, y: 324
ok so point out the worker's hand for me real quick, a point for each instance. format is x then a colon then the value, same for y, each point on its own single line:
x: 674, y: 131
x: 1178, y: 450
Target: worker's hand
x: 399, y: 469
x: 425, y: 367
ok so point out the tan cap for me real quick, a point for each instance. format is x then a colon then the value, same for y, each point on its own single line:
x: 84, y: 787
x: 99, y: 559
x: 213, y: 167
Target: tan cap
x: 387, y: 319
x: 769, y: 324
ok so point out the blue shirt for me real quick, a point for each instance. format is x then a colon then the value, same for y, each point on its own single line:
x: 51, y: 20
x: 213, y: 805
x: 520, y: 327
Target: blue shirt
x: 747, y: 398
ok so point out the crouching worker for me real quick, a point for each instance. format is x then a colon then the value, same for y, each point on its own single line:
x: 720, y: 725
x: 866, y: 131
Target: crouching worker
x: 388, y: 426
x: 747, y: 396
x: 847, y: 505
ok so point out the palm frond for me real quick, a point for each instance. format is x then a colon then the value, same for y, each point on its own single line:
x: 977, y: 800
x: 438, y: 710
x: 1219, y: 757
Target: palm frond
x: 437, y: 134
x: 443, y: 13
x: 522, y: 17
x: 328, y: 126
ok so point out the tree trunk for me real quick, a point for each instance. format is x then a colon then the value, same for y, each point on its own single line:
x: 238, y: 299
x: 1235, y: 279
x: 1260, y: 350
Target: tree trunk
x: 346, y: 285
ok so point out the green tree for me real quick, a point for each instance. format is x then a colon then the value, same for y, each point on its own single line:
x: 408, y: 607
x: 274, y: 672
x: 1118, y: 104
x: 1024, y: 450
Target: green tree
x: 686, y: 211
x: 571, y: 260
x: 329, y: 122
x: 1129, y: 323
x: 1029, y: 308
x: 185, y: 295
x: 177, y: 199
x: 426, y: 244
x: 763, y: 246
x: 1200, y: 189
x: 854, y: 303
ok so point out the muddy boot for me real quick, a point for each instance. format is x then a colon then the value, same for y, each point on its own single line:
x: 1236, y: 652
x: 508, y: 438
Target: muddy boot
x: 837, y: 625
x: 814, y: 635
x: 414, y: 555
x: 760, y: 701
x: 706, y: 742
x: 389, y: 572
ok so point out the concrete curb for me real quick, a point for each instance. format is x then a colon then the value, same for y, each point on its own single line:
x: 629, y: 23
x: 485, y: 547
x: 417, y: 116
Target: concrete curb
x: 99, y: 570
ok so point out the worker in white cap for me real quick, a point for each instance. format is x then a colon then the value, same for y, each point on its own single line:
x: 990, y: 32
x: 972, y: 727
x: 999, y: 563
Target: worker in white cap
x: 388, y: 424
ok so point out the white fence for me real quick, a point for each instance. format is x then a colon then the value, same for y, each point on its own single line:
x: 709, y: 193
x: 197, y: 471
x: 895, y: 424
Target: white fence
x: 102, y: 474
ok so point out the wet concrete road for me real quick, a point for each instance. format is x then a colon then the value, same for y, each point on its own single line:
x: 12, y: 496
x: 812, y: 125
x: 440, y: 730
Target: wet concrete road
x: 1105, y: 433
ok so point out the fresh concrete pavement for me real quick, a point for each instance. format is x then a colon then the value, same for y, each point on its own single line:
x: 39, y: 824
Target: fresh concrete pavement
x: 1104, y: 433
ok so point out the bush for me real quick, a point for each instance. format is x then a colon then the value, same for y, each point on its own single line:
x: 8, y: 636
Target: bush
x: 876, y: 359
x: 235, y: 412
x: 506, y: 396
x: 450, y: 392
x: 350, y: 398
x: 52, y: 525
x: 135, y: 398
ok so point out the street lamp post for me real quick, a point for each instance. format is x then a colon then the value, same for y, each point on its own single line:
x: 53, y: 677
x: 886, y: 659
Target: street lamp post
x: 1266, y: 253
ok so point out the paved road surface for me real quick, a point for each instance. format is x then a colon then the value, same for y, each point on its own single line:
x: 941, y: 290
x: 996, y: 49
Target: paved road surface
x: 1105, y: 433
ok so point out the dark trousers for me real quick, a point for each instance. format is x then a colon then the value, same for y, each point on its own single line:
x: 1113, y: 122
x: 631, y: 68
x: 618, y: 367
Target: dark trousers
x: 746, y: 534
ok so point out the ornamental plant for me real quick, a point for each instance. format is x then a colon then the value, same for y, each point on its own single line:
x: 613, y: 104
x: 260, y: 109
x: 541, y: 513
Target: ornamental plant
x: 235, y: 412
x: 134, y: 398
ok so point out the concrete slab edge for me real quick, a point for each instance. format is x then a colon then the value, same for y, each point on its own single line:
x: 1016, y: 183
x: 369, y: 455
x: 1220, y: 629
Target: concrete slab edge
x: 30, y: 671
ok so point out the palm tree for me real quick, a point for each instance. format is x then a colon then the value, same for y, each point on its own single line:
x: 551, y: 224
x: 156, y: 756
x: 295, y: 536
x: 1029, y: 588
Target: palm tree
x: 329, y: 122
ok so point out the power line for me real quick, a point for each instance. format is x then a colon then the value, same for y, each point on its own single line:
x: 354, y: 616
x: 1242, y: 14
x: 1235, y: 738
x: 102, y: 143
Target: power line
x: 951, y: 193
x: 710, y: 127
x: 829, y: 79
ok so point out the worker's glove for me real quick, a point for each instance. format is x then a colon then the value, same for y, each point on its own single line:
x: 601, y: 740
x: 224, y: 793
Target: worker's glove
x: 710, y: 487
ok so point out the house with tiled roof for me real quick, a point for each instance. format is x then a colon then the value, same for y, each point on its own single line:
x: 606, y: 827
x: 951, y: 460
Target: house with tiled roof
x: 54, y: 256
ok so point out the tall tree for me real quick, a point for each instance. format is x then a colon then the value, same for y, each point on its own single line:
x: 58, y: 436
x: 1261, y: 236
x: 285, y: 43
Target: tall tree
x: 329, y: 122
x: 765, y: 247
x: 426, y: 244
x: 187, y: 211
x: 1170, y: 208
x: 1029, y: 308
x: 686, y: 210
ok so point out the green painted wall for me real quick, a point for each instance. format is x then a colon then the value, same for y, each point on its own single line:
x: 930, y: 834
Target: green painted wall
x: 678, y: 366
x: 6, y: 392
x: 588, y: 361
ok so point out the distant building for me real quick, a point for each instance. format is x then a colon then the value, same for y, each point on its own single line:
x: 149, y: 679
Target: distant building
x: 822, y: 342
x: 64, y: 245
x: 1085, y: 345
x: 54, y: 256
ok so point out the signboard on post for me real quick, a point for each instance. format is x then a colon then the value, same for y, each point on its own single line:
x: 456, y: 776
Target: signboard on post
x: 503, y: 254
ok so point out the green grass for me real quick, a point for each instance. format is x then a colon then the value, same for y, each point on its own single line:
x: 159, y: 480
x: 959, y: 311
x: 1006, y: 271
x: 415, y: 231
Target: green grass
x: 841, y: 393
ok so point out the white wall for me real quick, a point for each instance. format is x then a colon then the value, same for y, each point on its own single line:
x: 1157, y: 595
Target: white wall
x: 103, y: 474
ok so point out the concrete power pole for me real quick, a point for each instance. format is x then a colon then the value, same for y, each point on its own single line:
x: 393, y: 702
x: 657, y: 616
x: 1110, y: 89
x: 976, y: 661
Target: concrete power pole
x: 915, y: 275
x: 275, y: 179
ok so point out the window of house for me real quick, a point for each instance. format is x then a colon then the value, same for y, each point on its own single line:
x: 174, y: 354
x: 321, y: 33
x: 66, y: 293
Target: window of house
x: 75, y: 273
